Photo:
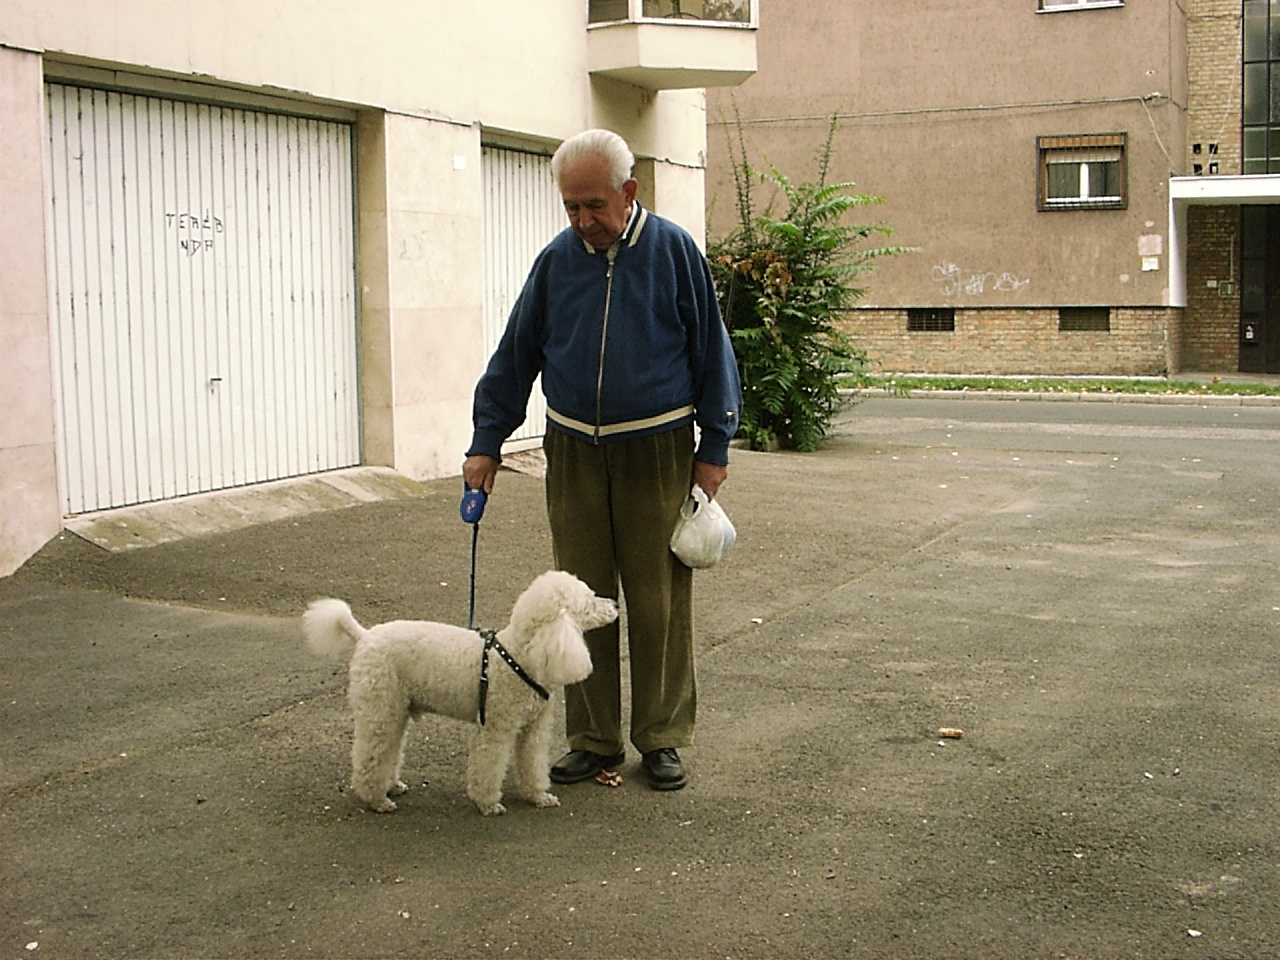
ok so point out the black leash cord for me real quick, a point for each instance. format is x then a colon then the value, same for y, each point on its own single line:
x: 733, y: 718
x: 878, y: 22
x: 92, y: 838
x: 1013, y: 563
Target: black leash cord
x: 471, y: 610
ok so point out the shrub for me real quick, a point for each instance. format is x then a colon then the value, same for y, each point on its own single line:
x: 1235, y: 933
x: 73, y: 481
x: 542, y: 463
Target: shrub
x: 782, y: 282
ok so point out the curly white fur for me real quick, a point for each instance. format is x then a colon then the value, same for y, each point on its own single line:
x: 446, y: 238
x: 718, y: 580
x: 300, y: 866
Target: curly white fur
x: 406, y: 668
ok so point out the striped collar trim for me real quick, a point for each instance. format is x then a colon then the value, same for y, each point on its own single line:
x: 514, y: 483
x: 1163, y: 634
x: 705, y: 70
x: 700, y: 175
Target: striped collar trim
x: 639, y: 217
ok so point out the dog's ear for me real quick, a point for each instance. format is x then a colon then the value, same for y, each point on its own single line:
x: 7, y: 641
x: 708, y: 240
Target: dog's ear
x: 559, y: 654
x: 541, y: 602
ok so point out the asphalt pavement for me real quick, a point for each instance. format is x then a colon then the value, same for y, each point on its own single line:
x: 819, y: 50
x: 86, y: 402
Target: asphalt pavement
x: 1090, y: 592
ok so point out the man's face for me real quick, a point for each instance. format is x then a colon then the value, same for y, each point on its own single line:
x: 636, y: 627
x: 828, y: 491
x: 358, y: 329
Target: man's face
x: 597, y: 212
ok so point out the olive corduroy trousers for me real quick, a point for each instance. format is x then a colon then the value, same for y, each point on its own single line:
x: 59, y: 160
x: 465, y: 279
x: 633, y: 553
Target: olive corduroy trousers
x: 612, y: 508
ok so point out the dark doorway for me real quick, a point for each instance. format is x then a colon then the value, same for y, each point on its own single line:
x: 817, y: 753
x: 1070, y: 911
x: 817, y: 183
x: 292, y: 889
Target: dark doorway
x: 1260, y: 289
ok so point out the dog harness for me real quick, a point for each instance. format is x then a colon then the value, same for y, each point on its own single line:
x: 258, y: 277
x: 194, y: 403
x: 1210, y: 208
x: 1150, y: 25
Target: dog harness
x: 491, y: 643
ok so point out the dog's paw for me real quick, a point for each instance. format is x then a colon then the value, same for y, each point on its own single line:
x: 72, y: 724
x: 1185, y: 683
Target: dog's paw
x: 493, y: 810
x: 398, y: 788
x: 545, y: 800
x: 381, y: 806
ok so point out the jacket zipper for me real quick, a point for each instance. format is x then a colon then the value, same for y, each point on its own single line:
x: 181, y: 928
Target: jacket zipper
x: 611, y: 254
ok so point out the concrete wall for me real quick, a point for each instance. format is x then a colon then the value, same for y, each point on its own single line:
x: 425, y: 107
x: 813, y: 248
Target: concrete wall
x: 518, y: 67
x: 939, y: 109
x: 29, y: 513
x: 420, y: 248
x: 427, y: 84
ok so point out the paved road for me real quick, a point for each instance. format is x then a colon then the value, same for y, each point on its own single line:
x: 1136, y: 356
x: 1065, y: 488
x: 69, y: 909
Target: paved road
x: 1089, y: 591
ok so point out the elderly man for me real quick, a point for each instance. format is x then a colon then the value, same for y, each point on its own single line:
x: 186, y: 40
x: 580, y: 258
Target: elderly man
x: 619, y: 316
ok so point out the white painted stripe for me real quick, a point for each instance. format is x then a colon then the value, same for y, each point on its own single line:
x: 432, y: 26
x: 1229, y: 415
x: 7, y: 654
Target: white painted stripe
x: 610, y: 429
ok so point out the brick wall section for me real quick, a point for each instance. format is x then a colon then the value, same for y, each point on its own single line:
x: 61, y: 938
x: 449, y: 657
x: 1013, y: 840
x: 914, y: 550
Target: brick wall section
x: 1212, y: 342
x: 1144, y: 341
x: 1175, y: 322
x: 1213, y: 84
x: 1210, y: 335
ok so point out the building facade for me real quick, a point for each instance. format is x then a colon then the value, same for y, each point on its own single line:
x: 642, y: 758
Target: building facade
x: 1088, y: 182
x: 247, y: 241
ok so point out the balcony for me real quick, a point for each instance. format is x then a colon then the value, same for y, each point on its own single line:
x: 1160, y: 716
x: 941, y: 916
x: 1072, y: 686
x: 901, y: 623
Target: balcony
x: 672, y: 44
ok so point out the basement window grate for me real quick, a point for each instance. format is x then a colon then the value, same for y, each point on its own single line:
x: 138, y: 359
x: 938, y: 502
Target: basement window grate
x: 931, y: 320
x: 1084, y: 319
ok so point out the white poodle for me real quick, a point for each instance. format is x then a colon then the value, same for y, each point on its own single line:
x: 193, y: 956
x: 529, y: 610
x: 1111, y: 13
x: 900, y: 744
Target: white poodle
x: 407, y: 668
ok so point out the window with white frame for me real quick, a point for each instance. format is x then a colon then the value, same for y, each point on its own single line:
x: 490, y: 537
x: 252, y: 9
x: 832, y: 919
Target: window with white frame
x: 1051, y: 6
x: 1082, y: 172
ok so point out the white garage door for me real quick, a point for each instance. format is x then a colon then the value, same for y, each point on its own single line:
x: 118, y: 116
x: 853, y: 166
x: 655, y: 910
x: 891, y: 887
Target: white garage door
x: 522, y: 212
x: 203, y: 296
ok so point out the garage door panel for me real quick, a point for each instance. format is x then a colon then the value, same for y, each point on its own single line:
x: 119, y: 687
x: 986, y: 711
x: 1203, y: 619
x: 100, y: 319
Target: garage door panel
x: 203, y: 296
x: 523, y: 211
x: 178, y: 303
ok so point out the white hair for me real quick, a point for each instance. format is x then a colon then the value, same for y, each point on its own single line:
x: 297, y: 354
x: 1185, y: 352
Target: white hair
x: 597, y: 143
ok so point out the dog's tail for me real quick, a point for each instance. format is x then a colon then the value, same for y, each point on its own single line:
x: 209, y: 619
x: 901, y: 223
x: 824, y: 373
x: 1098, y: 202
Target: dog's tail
x: 330, y: 628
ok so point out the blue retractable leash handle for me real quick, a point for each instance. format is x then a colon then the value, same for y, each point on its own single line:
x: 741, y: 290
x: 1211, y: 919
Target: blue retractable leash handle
x: 472, y: 509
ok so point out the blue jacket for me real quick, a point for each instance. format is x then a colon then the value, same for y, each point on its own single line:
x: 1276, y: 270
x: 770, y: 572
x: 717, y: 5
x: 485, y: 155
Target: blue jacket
x: 629, y: 342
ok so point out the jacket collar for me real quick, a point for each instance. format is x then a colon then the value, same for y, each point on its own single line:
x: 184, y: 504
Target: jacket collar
x: 631, y: 233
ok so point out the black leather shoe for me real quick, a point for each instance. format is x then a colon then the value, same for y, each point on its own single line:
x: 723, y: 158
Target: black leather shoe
x: 578, y: 765
x: 663, y: 769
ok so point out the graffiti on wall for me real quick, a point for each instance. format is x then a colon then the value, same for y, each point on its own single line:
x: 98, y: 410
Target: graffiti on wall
x: 958, y: 280
x: 195, y: 232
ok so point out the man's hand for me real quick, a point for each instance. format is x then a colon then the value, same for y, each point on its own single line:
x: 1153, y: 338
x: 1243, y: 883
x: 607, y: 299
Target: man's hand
x: 709, y: 476
x: 479, y: 472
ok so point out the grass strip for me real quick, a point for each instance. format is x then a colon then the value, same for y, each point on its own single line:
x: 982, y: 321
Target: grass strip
x: 900, y: 384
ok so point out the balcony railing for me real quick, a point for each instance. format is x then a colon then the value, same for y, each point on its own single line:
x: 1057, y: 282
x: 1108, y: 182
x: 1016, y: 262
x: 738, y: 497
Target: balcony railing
x: 701, y: 12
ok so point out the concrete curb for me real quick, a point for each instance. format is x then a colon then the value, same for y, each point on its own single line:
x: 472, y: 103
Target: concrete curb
x: 164, y: 521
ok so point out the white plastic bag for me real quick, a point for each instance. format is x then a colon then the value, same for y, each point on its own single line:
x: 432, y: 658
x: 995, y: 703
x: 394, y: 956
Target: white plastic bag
x: 703, y: 532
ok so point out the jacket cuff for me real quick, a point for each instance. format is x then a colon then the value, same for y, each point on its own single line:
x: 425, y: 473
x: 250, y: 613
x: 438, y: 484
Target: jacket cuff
x: 486, y: 442
x: 714, y: 450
